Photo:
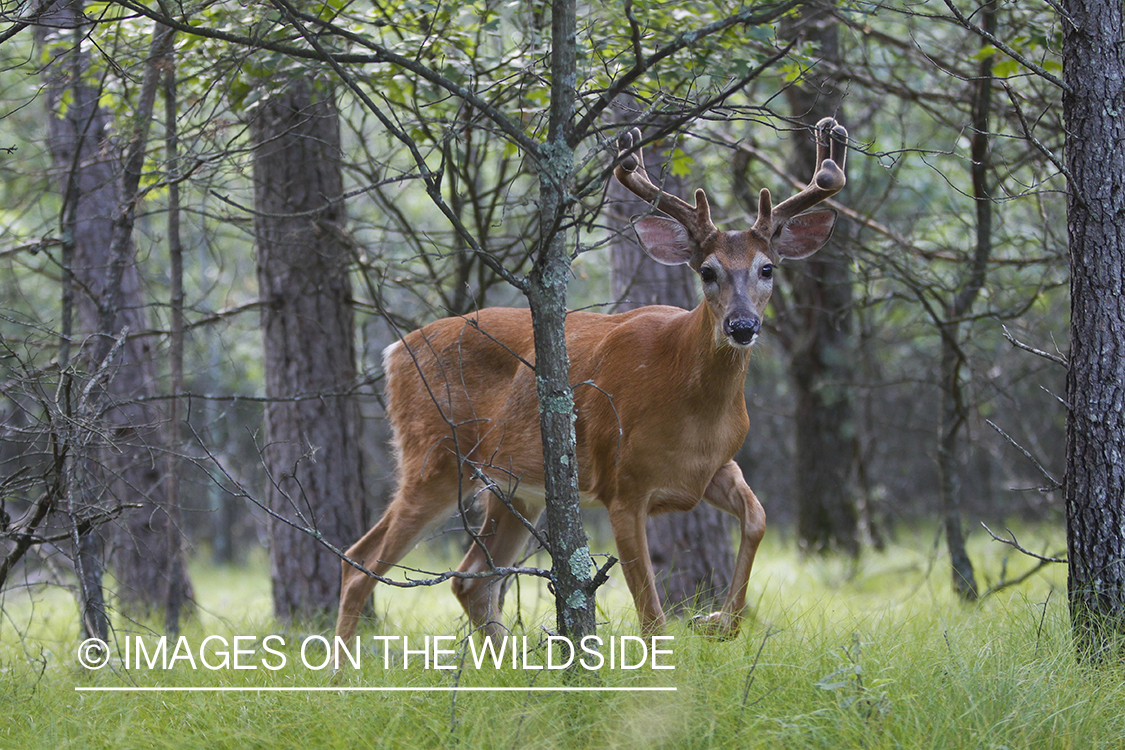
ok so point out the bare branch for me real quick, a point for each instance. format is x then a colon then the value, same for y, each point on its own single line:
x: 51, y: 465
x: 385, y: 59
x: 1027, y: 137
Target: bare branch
x: 602, y: 576
x: 1055, y: 484
x: 1014, y: 544
x: 1005, y: 583
x: 1026, y: 128
x: 1006, y: 49
x: 1058, y: 359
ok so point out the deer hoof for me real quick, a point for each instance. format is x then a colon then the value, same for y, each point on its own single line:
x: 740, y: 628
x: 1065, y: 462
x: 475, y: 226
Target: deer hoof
x: 717, y: 625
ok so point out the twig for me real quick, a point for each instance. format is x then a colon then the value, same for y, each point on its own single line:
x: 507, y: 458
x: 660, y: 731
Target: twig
x: 1014, y: 543
x: 1006, y: 49
x: 1014, y: 582
x: 602, y: 575
x: 1056, y: 358
x: 1055, y: 484
x: 1043, y: 618
x: 753, y: 668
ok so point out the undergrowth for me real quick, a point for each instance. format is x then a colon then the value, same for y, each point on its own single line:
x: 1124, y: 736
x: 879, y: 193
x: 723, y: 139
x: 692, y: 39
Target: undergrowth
x: 874, y: 654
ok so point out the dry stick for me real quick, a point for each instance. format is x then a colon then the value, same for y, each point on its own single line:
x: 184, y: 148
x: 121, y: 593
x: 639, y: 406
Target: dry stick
x: 1055, y: 484
x: 753, y: 668
x: 1043, y: 618
x: 1044, y: 561
x: 1014, y: 543
x: 1056, y: 358
x: 25, y: 537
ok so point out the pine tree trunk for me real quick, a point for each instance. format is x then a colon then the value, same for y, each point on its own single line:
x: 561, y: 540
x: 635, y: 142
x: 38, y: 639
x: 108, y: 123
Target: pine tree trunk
x: 146, y: 555
x: 1094, y: 71
x: 820, y: 337
x: 312, y: 448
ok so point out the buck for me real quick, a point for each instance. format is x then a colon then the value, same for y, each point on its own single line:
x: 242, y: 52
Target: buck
x: 658, y: 393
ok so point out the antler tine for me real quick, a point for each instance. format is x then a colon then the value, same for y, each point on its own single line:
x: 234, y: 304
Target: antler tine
x: 630, y: 172
x: 831, y: 141
x: 763, y: 225
x: 829, y: 179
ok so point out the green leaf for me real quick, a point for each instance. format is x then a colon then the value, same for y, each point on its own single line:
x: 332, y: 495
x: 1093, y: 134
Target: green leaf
x: 985, y: 52
x: 681, y: 163
x: 1005, y: 68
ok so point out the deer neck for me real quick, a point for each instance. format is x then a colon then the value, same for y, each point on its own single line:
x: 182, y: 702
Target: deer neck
x: 719, y: 367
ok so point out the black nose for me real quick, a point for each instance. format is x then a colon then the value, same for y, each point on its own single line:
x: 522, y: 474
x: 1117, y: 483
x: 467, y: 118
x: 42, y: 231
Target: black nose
x: 742, y: 330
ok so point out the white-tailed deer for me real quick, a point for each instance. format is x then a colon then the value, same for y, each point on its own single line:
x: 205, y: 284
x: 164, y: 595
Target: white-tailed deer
x: 658, y: 391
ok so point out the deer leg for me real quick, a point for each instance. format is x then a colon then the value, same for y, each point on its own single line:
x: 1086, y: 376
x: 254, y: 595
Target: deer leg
x: 504, y: 536
x: 632, y: 548
x: 728, y: 491
x: 416, y: 507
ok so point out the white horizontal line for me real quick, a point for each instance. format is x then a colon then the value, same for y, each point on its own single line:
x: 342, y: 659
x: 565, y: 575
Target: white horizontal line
x: 347, y: 689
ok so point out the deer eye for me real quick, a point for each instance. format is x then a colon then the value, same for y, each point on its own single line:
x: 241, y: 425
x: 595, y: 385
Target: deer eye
x: 707, y: 274
x: 766, y: 272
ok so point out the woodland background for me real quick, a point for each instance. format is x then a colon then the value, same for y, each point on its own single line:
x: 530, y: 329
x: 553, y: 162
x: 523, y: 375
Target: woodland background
x: 207, y: 240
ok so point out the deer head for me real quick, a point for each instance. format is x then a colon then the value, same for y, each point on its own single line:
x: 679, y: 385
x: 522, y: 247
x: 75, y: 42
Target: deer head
x: 736, y: 267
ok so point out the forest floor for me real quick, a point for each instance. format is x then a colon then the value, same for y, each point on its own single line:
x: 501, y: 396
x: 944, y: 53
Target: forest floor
x: 833, y: 653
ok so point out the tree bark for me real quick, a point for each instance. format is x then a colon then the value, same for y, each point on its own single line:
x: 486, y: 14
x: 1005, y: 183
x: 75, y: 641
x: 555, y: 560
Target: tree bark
x: 818, y: 336
x: 312, y: 451
x: 692, y: 554
x: 571, y: 565
x: 151, y: 570
x: 97, y: 221
x: 952, y: 416
x: 1094, y: 71
x: 954, y: 411
x: 176, y: 598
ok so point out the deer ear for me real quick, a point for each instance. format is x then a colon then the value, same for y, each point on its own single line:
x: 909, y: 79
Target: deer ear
x: 666, y: 241
x: 804, y: 234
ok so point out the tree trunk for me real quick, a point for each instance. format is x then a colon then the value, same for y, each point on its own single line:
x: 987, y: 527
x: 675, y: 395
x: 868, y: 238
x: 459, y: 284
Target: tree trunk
x: 312, y: 450
x: 147, y: 559
x: 818, y: 337
x: 1094, y: 71
x: 952, y: 417
x: 692, y: 554
x: 571, y: 565
x: 175, y: 601
x: 954, y: 411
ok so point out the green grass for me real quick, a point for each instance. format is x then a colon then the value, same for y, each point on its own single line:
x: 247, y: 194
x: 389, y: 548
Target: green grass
x: 834, y: 655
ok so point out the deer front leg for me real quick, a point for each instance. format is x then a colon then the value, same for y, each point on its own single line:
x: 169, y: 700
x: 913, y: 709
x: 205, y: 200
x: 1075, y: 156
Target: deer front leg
x: 728, y: 491
x: 632, y: 548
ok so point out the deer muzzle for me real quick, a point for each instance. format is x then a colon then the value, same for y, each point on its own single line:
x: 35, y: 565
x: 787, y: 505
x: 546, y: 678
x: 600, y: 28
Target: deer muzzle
x: 742, y: 329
